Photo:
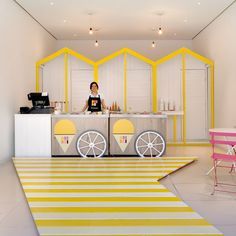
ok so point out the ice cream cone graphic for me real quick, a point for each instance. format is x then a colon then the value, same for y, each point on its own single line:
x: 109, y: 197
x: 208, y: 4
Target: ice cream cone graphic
x: 64, y: 131
x: 123, y: 131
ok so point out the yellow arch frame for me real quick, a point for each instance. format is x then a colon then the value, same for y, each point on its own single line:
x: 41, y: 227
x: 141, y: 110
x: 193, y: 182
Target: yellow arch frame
x: 124, y: 51
x: 184, y: 52
x: 153, y: 64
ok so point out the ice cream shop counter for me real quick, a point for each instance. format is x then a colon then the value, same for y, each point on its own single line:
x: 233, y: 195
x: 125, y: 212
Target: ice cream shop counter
x: 80, y: 134
x: 137, y: 134
x: 87, y: 135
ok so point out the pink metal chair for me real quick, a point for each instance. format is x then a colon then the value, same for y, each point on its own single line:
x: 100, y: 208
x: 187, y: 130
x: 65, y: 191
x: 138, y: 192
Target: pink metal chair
x: 221, y: 160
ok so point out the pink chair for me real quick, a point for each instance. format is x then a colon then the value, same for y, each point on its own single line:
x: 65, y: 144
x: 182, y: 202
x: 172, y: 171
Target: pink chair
x: 223, y: 137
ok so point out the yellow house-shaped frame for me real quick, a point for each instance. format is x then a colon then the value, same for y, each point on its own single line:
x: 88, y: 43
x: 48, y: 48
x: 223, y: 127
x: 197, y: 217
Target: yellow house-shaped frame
x: 154, y: 65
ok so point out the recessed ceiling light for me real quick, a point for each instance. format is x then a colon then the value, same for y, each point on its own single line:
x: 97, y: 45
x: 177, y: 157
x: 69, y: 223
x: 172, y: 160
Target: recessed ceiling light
x: 96, y: 44
x: 52, y: 3
x: 185, y: 20
x: 90, y: 30
x: 64, y: 20
x: 198, y: 3
x: 175, y: 34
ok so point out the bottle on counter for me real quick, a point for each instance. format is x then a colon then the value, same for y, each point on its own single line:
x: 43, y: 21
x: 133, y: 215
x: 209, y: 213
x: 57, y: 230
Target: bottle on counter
x: 171, y: 106
x: 162, y: 105
x: 52, y: 104
x: 63, y: 106
x: 165, y: 106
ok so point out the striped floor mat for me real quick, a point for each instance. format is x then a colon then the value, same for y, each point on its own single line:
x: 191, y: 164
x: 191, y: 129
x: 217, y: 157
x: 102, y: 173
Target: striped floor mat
x: 109, y: 196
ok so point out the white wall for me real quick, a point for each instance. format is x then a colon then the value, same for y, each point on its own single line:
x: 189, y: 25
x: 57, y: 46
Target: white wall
x: 218, y: 42
x: 106, y: 47
x: 23, y: 42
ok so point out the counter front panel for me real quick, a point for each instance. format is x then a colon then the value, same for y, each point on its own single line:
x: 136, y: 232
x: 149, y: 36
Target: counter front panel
x: 125, y: 129
x: 66, y: 129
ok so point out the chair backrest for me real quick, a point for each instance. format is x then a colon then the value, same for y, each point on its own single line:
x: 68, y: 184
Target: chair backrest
x: 223, y: 137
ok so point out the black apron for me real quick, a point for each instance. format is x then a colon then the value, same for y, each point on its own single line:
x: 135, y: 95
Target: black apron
x: 94, y: 104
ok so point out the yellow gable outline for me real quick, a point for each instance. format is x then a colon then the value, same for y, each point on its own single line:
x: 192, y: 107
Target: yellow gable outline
x: 182, y: 51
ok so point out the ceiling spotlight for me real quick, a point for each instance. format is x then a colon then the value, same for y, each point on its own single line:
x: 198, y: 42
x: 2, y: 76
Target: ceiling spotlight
x: 65, y: 21
x: 185, y: 20
x: 90, y: 31
x: 96, y: 44
x: 153, y: 44
x: 160, y: 32
x: 199, y: 3
x: 52, y: 3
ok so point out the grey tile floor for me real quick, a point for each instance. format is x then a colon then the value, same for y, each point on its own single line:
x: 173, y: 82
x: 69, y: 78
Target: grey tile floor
x: 190, y: 183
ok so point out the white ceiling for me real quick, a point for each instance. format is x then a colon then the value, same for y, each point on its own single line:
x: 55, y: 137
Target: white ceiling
x: 124, y: 19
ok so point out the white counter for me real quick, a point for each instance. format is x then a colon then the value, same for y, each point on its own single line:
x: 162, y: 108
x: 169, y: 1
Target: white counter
x: 80, y: 115
x: 32, y: 135
x: 133, y: 115
x: 173, y: 113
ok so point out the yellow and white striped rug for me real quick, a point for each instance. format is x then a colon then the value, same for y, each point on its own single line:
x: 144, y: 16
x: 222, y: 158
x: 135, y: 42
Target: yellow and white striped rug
x: 108, y: 196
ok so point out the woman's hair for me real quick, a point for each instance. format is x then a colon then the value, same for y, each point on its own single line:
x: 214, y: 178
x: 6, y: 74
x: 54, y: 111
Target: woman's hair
x: 91, y: 85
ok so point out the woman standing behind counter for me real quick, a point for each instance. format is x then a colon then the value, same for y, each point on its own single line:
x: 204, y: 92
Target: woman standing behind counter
x: 95, y: 102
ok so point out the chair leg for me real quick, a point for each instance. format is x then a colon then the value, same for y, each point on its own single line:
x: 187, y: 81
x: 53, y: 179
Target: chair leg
x: 232, y: 169
x: 215, y: 176
x: 209, y: 171
x: 215, y: 170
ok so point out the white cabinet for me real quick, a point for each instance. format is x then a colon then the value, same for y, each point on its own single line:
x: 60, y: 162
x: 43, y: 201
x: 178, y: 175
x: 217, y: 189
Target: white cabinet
x: 32, y: 135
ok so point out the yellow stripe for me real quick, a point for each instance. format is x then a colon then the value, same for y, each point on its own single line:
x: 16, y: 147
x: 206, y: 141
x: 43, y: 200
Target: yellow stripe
x: 154, y: 89
x: 120, y: 222
x: 89, y: 183
x: 198, y: 56
x: 90, y: 177
x: 94, y: 190
x: 96, y: 73
x: 78, y: 171
x: 52, y: 56
x: 102, y: 199
x: 95, y: 167
x: 66, y: 82
x: 79, y: 56
x: 139, y: 56
x: 163, y: 165
x: 100, y: 162
x: 109, y: 57
x: 92, y: 160
x: 170, y: 56
x: 125, y: 82
x: 68, y: 209
x: 184, y: 95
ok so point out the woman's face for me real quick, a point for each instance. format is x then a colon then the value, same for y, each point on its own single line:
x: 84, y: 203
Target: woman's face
x: 94, y: 88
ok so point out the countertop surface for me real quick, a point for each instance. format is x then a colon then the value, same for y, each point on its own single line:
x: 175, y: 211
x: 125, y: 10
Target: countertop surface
x: 113, y: 114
